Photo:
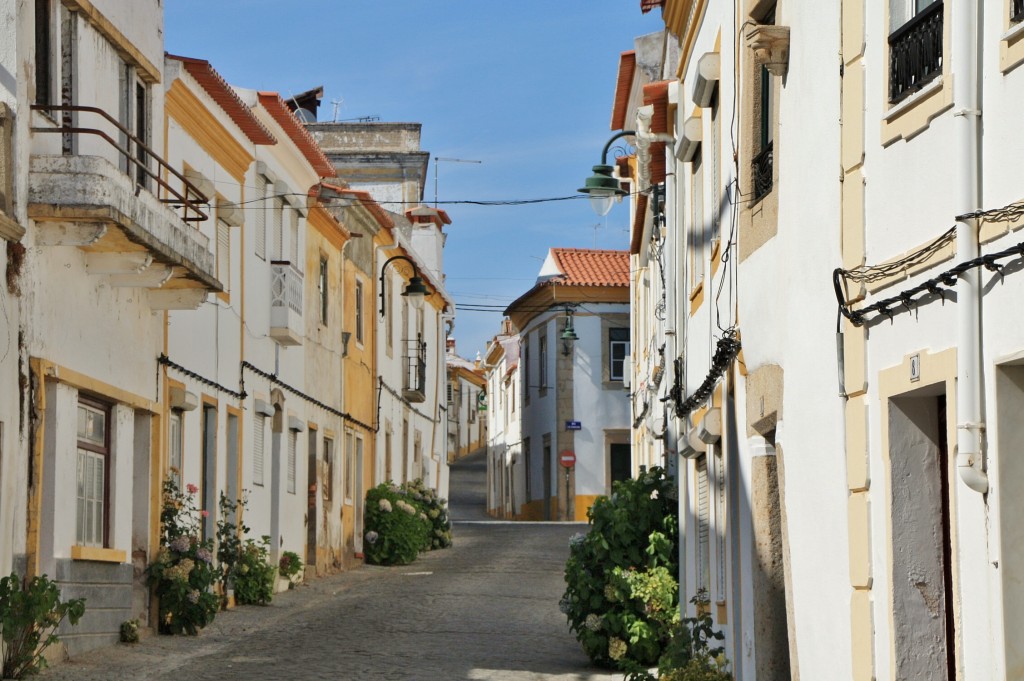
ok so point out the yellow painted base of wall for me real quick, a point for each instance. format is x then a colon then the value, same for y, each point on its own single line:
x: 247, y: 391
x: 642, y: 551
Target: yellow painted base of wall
x: 534, y: 510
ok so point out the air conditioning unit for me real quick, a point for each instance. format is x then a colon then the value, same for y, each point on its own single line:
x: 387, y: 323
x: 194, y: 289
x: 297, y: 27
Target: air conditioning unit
x: 708, y: 74
x: 690, y: 139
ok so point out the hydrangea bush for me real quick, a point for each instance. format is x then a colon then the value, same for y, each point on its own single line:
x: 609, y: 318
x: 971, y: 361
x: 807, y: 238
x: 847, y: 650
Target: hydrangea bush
x: 403, y: 520
x: 622, y: 598
x: 253, y: 574
x: 183, y: 572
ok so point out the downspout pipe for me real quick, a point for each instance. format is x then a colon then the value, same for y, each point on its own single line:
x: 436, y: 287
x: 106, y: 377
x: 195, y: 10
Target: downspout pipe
x: 970, y: 425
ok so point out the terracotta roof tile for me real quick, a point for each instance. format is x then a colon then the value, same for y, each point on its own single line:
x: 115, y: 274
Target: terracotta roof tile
x: 368, y: 202
x: 586, y: 267
x: 275, y: 106
x: 656, y: 94
x: 226, y: 98
x: 647, y: 5
x: 623, y: 86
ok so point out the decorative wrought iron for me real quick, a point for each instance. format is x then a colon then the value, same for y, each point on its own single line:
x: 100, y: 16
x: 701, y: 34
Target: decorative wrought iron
x: 415, y: 383
x: 286, y: 286
x: 915, y: 53
x: 761, y: 172
x: 134, y: 152
x: 1017, y: 10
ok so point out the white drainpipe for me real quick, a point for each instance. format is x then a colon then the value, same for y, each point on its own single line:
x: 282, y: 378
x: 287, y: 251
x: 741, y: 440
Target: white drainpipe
x: 967, y: 130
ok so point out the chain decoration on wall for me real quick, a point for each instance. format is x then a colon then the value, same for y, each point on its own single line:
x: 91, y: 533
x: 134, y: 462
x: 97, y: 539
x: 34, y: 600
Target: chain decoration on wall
x: 936, y: 286
x: 726, y: 350
x: 168, y: 362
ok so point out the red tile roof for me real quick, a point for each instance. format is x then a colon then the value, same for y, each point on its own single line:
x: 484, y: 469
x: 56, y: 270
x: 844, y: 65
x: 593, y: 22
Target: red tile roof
x: 586, y: 267
x: 226, y: 98
x: 279, y: 111
x: 623, y: 86
x: 657, y: 95
x: 647, y: 5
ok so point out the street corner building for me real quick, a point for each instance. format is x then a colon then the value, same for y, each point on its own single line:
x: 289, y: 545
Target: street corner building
x: 558, y: 409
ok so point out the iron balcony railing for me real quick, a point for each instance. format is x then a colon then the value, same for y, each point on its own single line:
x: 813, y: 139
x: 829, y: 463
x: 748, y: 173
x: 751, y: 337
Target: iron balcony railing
x: 415, y: 383
x: 1017, y: 10
x: 761, y: 172
x: 915, y: 53
x: 286, y: 286
x: 136, y: 153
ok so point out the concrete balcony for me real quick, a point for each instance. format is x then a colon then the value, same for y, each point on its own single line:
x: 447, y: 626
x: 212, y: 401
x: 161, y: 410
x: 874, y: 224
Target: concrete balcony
x: 286, y: 303
x: 414, y: 387
x: 128, y: 234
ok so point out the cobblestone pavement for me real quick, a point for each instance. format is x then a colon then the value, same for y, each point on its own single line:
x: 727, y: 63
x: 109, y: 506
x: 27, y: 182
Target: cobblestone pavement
x: 487, y: 608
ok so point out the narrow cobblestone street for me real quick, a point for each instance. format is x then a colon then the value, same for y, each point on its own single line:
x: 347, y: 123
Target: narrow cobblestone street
x: 485, y: 609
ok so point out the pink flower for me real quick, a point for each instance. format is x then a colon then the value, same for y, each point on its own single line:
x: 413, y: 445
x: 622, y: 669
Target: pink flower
x: 205, y: 514
x: 192, y: 489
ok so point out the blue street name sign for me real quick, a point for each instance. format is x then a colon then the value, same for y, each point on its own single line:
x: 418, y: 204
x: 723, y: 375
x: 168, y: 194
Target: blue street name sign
x: 573, y: 425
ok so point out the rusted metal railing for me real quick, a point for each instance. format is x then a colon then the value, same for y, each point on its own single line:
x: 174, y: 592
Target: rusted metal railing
x: 190, y: 202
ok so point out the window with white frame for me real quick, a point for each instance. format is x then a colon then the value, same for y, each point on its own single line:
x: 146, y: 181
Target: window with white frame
x: 703, y: 538
x: 259, y: 434
x: 618, y: 351
x: 93, y: 473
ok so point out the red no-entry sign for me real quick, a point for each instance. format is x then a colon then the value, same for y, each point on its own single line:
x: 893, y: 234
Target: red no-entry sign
x: 567, y: 458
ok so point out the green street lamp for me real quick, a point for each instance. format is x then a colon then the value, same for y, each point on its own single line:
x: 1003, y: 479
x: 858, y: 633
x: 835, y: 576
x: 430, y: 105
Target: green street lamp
x: 601, y: 187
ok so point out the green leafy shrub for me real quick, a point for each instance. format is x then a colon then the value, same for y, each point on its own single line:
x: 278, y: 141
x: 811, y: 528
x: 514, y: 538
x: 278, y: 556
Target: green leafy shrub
x: 396, y: 529
x: 29, y: 618
x: 690, y: 654
x: 436, y: 510
x: 230, y: 536
x: 130, y: 631
x: 289, y: 565
x: 621, y: 597
x: 253, y: 574
x: 183, y: 572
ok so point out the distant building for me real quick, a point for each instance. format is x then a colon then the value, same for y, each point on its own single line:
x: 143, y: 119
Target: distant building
x: 573, y: 330
x: 467, y: 406
x: 506, y: 468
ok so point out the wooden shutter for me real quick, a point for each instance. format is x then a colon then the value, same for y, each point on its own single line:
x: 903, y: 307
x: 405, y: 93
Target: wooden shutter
x: 224, y: 254
x: 720, y: 525
x: 292, y: 454
x: 278, y: 228
x: 257, y: 450
x: 261, y: 217
x: 703, y: 523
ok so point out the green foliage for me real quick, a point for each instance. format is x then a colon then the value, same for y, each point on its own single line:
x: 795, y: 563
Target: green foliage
x: 254, y: 576
x: 621, y: 599
x: 130, y: 631
x: 230, y: 537
x: 289, y: 565
x: 396, y: 529
x: 183, y: 572
x: 436, y: 510
x: 691, y: 654
x: 28, y: 619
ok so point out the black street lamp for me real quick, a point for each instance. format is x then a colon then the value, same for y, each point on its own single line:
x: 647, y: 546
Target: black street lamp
x: 415, y: 290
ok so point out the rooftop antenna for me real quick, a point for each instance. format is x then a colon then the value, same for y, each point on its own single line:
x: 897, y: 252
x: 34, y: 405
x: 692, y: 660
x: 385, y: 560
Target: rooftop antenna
x: 438, y: 159
x: 336, y: 103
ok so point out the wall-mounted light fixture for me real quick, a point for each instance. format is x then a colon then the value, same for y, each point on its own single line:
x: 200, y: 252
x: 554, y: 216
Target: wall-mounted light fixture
x: 568, y: 333
x: 415, y: 290
x: 601, y: 186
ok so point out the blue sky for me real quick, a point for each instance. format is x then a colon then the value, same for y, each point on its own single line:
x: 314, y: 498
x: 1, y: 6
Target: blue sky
x: 525, y: 87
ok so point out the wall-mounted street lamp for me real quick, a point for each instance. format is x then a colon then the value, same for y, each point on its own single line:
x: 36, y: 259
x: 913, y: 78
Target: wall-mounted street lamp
x: 568, y: 333
x: 415, y: 290
x: 601, y: 186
